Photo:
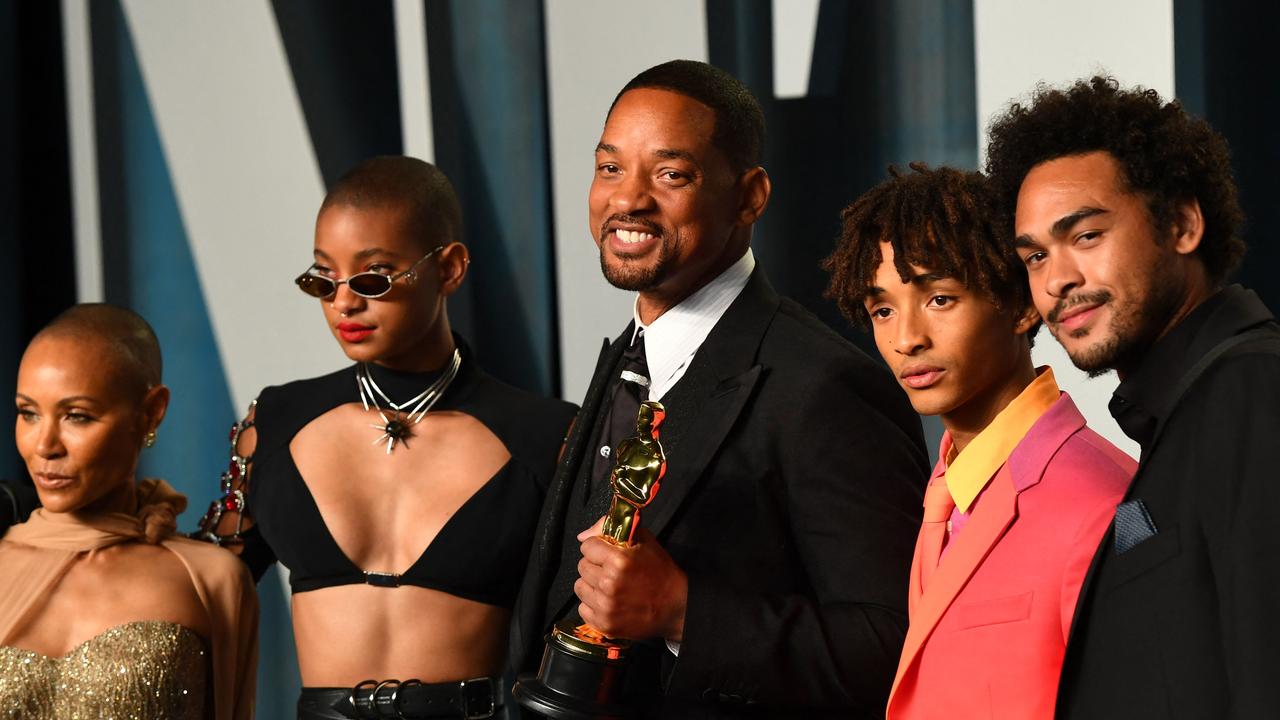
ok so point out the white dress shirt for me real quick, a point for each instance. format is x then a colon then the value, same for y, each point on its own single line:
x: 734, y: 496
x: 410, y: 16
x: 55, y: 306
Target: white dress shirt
x: 671, y: 341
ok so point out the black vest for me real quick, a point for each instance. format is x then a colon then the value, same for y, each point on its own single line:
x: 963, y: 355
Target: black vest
x: 696, y: 383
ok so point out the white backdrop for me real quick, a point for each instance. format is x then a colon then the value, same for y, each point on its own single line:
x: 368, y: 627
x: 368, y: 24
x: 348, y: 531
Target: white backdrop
x: 1023, y: 42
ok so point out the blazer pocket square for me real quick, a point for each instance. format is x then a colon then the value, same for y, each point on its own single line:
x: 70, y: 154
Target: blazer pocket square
x: 1132, y: 525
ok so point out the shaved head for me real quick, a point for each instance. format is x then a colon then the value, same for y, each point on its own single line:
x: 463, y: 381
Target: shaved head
x: 410, y: 185
x: 128, y: 337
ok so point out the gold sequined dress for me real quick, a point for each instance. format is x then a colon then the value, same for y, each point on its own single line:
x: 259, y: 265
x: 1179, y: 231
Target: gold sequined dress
x: 135, y: 671
x: 139, y: 669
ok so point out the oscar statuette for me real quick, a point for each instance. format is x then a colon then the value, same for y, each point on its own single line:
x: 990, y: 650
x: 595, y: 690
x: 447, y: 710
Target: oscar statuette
x: 582, y: 671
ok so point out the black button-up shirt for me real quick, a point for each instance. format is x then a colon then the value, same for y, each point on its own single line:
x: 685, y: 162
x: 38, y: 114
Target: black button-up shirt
x: 1186, y: 622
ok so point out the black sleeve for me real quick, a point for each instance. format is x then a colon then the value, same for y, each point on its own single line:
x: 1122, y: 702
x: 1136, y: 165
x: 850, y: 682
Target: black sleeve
x: 556, y: 422
x: 248, y: 543
x: 1235, y: 408
x: 854, y: 467
x: 256, y: 554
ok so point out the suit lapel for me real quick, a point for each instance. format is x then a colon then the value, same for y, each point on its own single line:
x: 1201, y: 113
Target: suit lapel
x: 1067, y: 420
x: 561, y: 489
x: 531, y: 604
x: 1029, y: 459
x: 726, y: 356
x: 990, y: 519
x: 711, y: 417
x: 727, y: 360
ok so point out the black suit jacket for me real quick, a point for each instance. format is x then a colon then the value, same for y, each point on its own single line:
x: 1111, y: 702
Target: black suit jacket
x: 792, y: 500
x: 1186, y: 622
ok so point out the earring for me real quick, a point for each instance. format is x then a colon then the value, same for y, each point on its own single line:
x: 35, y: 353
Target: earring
x: 150, y: 439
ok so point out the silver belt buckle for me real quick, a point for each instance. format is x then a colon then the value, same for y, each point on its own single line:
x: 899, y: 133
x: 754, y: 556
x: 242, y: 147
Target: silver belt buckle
x: 466, y: 703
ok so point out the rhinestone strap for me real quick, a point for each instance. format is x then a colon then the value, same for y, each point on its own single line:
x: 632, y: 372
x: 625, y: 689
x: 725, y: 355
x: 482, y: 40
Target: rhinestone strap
x: 234, y: 481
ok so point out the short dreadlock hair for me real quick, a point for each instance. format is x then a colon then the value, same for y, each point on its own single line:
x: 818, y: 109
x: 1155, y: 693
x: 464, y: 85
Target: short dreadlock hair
x: 1165, y: 155
x: 942, y: 219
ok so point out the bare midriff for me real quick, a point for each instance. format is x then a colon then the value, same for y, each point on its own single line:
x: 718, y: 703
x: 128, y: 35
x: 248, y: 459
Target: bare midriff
x: 349, y: 633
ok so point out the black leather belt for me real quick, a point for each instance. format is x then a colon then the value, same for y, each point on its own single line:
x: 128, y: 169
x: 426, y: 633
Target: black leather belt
x: 407, y: 700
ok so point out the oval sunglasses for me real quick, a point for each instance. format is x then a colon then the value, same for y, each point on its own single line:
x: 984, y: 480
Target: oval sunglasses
x: 368, y: 284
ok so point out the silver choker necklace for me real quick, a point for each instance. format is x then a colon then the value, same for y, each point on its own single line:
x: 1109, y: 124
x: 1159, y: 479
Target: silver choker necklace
x: 398, y: 419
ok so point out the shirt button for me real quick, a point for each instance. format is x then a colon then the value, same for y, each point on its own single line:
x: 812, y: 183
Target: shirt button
x: 604, y: 451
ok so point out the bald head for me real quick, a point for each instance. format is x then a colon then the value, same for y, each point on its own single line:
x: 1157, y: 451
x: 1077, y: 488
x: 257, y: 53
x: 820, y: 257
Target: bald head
x: 396, y: 182
x: 124, y: 333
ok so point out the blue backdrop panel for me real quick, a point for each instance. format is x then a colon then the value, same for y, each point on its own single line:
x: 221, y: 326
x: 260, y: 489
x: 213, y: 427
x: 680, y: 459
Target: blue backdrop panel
x: 152, y: 271
x: 148, y: 241
x: 1225, y: 59
x: 891, y: 82
x: 489, y: 109
x: 343, y: 58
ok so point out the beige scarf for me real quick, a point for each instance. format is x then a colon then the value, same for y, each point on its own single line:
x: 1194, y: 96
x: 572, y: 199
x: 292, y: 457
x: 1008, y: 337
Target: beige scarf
x: 43, y: 549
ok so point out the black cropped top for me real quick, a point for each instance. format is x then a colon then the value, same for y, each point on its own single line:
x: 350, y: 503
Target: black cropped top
x: 472, y: 557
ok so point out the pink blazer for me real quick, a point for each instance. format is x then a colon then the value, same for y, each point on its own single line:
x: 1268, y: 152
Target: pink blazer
x: 987, y: 636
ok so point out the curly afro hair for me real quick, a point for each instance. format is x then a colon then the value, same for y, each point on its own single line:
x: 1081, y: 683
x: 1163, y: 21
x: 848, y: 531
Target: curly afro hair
x: 945, y: 220
x: 1167, y: 156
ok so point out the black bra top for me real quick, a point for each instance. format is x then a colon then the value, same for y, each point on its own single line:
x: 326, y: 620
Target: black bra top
x: 473, y: 556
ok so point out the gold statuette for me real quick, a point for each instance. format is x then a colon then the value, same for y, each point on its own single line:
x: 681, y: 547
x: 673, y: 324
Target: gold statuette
x: 637, y: 472
x: 581, y: 675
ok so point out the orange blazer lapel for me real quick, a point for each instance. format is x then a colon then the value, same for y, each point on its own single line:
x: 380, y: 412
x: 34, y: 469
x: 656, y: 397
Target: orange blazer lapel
x: 992, y: 517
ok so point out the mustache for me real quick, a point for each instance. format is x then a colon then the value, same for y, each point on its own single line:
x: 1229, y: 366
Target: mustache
x: 649, y: 226
x: 1100, y: 297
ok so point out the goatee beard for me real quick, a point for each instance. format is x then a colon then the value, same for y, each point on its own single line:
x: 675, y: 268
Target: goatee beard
x: 1134, y: 325
x: 634, y: 274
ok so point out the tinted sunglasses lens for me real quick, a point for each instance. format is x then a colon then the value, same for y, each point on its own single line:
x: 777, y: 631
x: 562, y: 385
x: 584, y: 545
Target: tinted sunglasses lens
x: 369, y: 284
x: 316, y: 286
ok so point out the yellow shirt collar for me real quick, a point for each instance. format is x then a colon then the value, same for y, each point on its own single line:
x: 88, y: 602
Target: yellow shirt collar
x: 969, y: 472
